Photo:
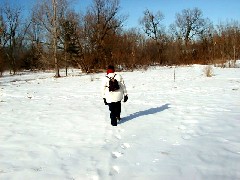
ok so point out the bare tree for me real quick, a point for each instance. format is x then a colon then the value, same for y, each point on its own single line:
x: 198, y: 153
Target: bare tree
x: 153, y: 27
x: 48, y: 16
x: 189, y: 24
x: 2, y: 29
x: 54, y: 32
x: 102, y: 21
x: 227, y: 38
x: 35, y: 40
x: 11, y: 34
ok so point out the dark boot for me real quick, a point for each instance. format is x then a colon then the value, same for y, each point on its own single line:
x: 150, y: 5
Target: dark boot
x: 114, y: 121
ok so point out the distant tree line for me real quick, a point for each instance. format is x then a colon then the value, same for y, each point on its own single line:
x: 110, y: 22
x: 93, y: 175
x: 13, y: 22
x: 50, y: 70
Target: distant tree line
x: 93, y: 39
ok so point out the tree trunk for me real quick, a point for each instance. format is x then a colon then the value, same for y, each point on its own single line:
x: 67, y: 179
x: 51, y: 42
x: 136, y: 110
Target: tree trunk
x: 55, y: 38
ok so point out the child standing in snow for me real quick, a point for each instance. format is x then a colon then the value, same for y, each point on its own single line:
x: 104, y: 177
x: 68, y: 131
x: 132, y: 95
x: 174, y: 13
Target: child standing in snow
x: 113, y: 97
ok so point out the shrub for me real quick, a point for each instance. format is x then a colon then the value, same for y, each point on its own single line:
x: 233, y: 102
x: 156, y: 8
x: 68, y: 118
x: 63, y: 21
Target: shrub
x: 208, y: 71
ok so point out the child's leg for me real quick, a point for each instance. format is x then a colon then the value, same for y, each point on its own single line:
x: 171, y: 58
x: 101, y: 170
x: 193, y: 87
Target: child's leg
x: 118, y: 109
x: 112, y: 108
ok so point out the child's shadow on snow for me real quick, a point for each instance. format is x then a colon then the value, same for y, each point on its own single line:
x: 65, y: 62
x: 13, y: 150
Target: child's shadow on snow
x: 144, y: 113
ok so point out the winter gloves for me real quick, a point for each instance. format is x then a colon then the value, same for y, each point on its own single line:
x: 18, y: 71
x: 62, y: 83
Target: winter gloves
x: 125, y: 98
x: 105, y: 102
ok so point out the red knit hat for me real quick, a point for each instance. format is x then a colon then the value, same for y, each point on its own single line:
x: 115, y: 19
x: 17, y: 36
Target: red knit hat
x: 110, y: 69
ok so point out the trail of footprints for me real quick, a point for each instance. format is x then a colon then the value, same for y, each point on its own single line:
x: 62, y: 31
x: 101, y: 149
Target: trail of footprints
x: 187, y: 131
x: 114, y: 170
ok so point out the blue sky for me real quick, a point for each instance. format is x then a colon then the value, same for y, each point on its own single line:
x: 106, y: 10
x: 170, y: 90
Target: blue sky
x: 215, y: 10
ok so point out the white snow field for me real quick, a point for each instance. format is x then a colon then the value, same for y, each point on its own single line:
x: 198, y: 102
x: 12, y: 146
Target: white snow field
x: 59, y: 128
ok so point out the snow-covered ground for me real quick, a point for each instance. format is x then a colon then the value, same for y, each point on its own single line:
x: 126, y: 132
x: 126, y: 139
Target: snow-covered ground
x: 59, y: 129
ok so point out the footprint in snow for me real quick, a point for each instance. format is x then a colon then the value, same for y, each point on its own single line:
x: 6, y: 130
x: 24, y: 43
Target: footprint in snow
x: 125, y: 146
x: 114, y: 170
x: 2, y: 171
x: 118, y: 136
x: 121, y: 130
x: 155, y: 160
x: 186, y: 137
x: 116, y: 154
x: 162, y: 139
x: 182, y: 127
x: 176, y: 144
x: 107, y: 140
